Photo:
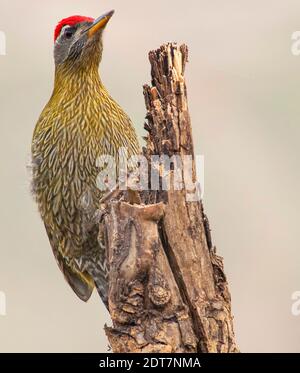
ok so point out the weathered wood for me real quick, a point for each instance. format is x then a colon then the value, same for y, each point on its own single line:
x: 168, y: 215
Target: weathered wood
x: 168, y: 291
x: 144, y: 302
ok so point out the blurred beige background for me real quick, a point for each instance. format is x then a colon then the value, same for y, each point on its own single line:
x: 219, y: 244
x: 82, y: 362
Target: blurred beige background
x: 244, y: 91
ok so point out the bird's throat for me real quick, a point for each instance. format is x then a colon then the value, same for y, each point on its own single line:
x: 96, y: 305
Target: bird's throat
x: 71, y: 81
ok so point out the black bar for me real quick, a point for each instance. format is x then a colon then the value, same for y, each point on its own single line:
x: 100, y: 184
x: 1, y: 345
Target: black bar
x: 137, y: 362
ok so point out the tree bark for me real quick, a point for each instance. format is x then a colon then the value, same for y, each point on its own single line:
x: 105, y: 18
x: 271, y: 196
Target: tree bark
x: 168, y: 291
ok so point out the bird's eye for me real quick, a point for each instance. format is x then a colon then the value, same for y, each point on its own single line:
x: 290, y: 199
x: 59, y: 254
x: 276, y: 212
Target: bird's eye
x: 69, y: 33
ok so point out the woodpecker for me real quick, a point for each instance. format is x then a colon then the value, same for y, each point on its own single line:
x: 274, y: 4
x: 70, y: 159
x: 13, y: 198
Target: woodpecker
x: 80, y: 123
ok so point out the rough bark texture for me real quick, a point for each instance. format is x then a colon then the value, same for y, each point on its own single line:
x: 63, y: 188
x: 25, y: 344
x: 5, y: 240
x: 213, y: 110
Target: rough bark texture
x: 168, y: 291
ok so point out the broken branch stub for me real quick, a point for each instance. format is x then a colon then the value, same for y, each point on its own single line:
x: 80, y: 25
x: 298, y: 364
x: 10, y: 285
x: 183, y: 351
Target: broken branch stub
x: 144, y: 302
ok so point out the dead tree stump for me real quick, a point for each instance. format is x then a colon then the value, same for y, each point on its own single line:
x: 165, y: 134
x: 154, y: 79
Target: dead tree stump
x: 168, y: 291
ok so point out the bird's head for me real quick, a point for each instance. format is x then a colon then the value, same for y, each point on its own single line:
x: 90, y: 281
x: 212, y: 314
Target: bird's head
x: 78, y: 40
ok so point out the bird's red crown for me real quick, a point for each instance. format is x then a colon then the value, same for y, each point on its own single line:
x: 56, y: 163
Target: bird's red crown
x: 70, y: 21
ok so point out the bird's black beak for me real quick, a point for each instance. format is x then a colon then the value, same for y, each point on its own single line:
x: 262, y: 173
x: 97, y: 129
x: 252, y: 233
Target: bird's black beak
x: 99, y: 23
